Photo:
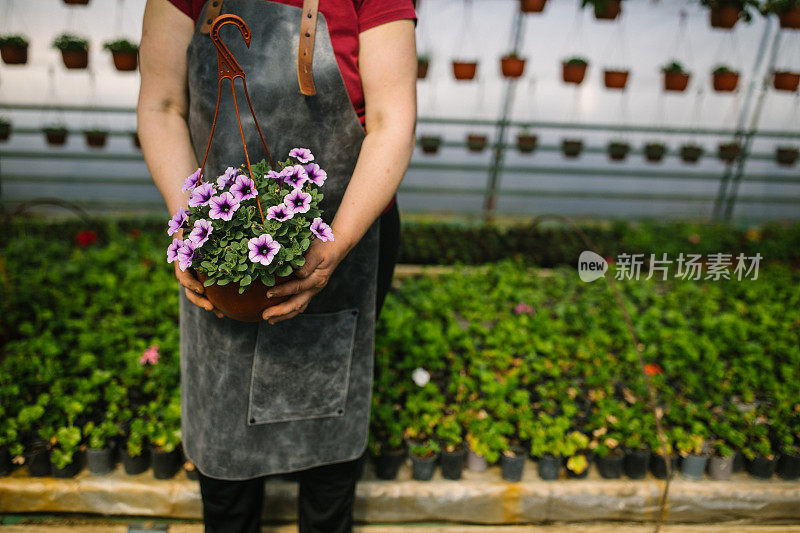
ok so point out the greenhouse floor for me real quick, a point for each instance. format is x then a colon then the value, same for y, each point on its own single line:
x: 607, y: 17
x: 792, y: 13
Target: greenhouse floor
x: 478, y: 498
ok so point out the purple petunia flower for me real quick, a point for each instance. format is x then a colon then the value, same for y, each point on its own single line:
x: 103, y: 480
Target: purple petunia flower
x: 227, y: 178
x: 244, y: 188
x: 263, y: 249
x: 202, y: 230
x: 280, y: 212
x: 172, y: 249
x: 202, y: 194
x: 295, y: 176
x: 303, y: 155
x: 315, y: 174
x: 223, y: 206
x: 186, y: 254
x: 322, y: 231
x: 177, y: 221
x: 192, y: 181
x: 298, y: 201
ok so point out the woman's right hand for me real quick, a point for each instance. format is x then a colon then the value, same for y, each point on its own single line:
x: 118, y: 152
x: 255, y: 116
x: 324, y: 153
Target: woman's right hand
x: 194, y: 289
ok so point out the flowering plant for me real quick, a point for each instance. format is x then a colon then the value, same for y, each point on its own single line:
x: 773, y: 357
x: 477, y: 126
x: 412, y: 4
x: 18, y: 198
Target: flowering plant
x: 242, y: 229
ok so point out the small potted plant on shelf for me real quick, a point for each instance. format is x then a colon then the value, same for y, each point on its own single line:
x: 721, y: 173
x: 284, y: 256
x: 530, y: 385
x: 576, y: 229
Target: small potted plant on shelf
x: 532, y: 6
x: 424, y: 454
x: 573, y: 70
x: 74, y: 50
x: 5, y: 129
x: 464, y: 69
x: 575, y: 448
x: 14, y: 49
x: 64, y: 455
x: 728, y: 151
x: 571, y: 147
x: 526, y: 141
x: 512, y: 66
x: 725, y: 79
x: 604, y: 9
x: 99, y: 454
x: 476, y: 142
x: 692, y: 448
x: 720, y: 464
x: 135, y: 458
x: 615, y: 78
x: 618, y: 150
x: 788, y: 12
x: 135, y: 140
x: 786, y: 155
x: 785, y: 80
x: 453, y: 450
x: 691, y: 153
x: 430, y: 143
x: 163, y: 430
x: 608, y: 452
x: 654, y: 151
x: 663, y: 456
x: 788, y: 465
x: 675, y: 77
x: 245, y: 233
x: 758, y: 451
x: 124, y: 53
x: 423, y: 62
x: 637, y: 455
x: 512, y: 461
x: 96, y: 137
x: 56, y: 134
x: 386, y: 440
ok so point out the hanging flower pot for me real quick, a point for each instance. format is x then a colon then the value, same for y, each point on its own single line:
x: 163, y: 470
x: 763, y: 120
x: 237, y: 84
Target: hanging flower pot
x: 532, y: 6
x: 605, y: 9
x: 512, y: 66
x: 5, y: 130
x: 725, y: 79
x: 135, y: 139
x: 95, y: 138
x: 615, y: 79
x: 430, y: 143
x: 422, y: 67
x: 55, y: 135
x: 573, y: 70
x: 675, y: 77
x: 786, y: 155
x: 618, y: 150
x: 789, y: 17
x: 476, y: 143
x: 571, y: 147
x: 124, y: 53
x: 724, y: 15
x: 76, y: 2
x: 14, y: 49
x: 728, y: 152
x: 785, y: 80
x: 654, y: 152
x: 464, y: 70
x: 74, y: 51
x: 526, y: 142
x: 691, y: 153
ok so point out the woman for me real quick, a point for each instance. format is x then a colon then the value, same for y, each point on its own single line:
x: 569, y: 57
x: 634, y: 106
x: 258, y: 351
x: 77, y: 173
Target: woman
x: 355, y: 109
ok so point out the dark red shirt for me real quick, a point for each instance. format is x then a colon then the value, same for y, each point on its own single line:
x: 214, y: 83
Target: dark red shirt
x: 346, y: 19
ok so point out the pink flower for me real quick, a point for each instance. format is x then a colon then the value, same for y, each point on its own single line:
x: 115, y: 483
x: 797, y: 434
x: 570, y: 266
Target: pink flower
x: 150, y: 355
x: 523, y: 308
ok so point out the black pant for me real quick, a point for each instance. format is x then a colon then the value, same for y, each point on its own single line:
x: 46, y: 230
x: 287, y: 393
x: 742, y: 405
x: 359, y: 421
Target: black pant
x: 325, y: 493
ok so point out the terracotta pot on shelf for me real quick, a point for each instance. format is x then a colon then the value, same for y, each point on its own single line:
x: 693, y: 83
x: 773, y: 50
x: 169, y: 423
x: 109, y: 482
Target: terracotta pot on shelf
x: 790, y: 18
x: 615, y: 79
x: 422, y: 68
x: 725, y: 82
x: 785, y: 80
x: 532, y: 6
x: 75, y: 59
x: 611, y: 10
x: 96, y: 139
x: 526, y: 143
x: 246, y: 307
x: 691, y: 153
x: 573, y: 72
x: 14, y: 55
x: 125, y: 61
x: 476, y: 143
x: 786, y: 155
x: 676, y: 81
x: 464, y: 70
x: 724, y: 16
x: 512, y: 66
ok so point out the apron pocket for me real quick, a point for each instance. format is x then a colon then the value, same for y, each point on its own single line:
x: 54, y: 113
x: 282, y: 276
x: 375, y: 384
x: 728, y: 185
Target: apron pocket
x: 301, y: 367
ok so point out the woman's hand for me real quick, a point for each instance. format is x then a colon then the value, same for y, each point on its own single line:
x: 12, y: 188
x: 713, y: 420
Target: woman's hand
x: 194, y: 289
x: 322, y: 258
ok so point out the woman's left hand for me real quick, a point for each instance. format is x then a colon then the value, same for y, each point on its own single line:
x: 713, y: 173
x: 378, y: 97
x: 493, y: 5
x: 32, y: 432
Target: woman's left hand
x: 322, y: 258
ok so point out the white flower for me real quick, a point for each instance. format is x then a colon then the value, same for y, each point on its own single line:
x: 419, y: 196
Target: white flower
x: 421, y: 376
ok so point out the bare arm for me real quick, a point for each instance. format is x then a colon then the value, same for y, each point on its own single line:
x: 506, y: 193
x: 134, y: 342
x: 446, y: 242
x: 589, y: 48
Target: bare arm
x: 388, y: 67
x: 161, y: 114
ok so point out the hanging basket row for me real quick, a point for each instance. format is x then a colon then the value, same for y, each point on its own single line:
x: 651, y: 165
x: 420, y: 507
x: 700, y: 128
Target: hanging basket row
x: 725, y: 14
x: 74, y: 51
x: 56, y: 135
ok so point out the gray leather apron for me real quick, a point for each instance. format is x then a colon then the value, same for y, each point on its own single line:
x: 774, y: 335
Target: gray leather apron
x: 261, y: 399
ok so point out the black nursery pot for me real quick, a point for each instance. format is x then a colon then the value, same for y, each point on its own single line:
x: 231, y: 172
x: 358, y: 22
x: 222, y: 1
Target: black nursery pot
x: 39, y: 459
x: 5, y: 461
x: 511, y: 467
x: 388, y: 463
x: 788, y: 467
x: 165, y: 464
x: 761, y: 467
x: 636, y: 462
x: 549, y: 467
x: 738, y: 461
x: 422, y: 468
x: 100, y: 460
x: 658, y: 466
x: 610, y: 466
x: 70, y: 470
x: 135, y: 464
x: 453, y: 463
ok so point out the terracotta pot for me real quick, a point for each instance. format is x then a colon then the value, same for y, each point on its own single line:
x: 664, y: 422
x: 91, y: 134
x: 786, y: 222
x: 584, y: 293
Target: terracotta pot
x: 573, y: 72
x: 96, y: 139
x: 526, y: 143
x: 691, y: 153
x: 125, y: 61
x: 726, y: 82
x: 422, y: 68
x: 532, y: 6
x: 728, y: 152
x: 245, y: 307
x: 430, y: 144
x: 464, y: 70
x: 55, y: 137
x: 76, y: 2
x: 790, y: 18
x: 615, y: 79
x: 611, y: 10
x: 654, y: 152
x: 676, y: 81
x: 512, y: 66
x: 786, y: 155
x: 785, y: 80
x: 724, y: 16
x: 75, y: 59
x: 14, y: 55
x: 571, y: 147
x: 476, y: 143
x: 618, y: 151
